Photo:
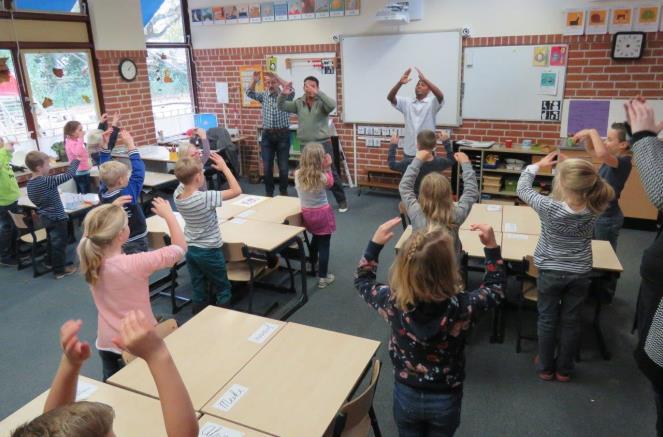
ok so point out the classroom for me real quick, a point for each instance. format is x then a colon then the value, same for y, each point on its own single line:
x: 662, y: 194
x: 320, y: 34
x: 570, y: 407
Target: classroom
x: 331, y: 218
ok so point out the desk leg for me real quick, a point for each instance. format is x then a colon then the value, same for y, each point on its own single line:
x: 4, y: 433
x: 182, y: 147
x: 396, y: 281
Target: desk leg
x: 304, y: 296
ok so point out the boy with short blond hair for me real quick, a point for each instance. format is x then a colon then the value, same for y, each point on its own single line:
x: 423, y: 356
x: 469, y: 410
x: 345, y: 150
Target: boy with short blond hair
x: 204, y: 257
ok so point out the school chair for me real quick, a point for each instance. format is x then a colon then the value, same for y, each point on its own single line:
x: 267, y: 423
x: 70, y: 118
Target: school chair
x: 292, y: 252
x: 529, y: 293
x: 163, y: 330
x: 35, y: 238
x: 244, y: 268
x: 167, y: 285
x: 357, y: 416
x: 220, y: 140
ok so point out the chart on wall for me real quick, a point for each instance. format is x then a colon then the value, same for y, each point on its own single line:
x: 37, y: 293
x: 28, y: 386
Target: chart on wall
x: 296, y: 67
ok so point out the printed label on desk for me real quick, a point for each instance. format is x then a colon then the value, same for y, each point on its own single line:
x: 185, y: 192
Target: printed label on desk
x: 238, y: 221
x: 211, y: 429
x: 249, y: 200
x: 494, y: 208
x: 510, y: 227
x: 517, y: 237
x: 247, y: 213
x: 230, y: 397
x: 263, y: 332
x: 84, y: 390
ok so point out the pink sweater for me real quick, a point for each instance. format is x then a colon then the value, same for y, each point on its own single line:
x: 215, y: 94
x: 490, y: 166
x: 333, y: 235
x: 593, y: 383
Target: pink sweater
x: 124, y: 286
x: 75, y: 149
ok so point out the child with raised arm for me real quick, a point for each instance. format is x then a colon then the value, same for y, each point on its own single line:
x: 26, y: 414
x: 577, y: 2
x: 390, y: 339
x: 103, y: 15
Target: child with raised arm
x: 204, y: 259
x: 74, y: 146
x: 43, y: 192
x: 434, y: 207
x: 563, y: 255
x: 120, y: 282
x: 9, y: 194
x: 64, y: 416
x: 429, y: 317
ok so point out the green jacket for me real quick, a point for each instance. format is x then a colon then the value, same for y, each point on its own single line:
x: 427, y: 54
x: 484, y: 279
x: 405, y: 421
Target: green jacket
x: 313, y: 122
x: 9, y: 192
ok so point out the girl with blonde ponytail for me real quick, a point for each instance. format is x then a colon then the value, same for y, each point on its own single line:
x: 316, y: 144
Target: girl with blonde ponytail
x: 120, y: 282
x: 563, y: 255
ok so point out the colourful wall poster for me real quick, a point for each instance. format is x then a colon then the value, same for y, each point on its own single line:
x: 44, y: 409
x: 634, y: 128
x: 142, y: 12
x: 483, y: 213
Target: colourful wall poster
x: 352, y: 7
x: 308, y: 9
x: 294, y: 9
x: 321, y: 8
x: 574, y: 22
x: 267, y: 11
x: 647, y: 18
x: 254, y: 12
x: 196, y: 17
x: 245, y: 80
x: 597, y: 21
x: 281, y: 10
x: 540, y: 58
x: 558, y: 56
x: 231, y: 14
x: 337, y: 8
x: 621, y: 20
x: 548, y: 83
x: 243, y: 14
x: 219, y: 15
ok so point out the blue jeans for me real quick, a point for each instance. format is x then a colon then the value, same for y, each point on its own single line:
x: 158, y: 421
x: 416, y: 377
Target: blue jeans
x: 561, y: 296
x: 337, y: 188
x: 275, y: 143
x: 420, y: 413
x: 208, y: 266
x: 111, y: 363
x: 8, y: 232
x: 58, y: 239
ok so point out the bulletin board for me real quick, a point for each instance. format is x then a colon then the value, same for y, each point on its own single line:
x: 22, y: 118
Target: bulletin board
x: 597, y: 114
x: 514, y: 82
x: 245, y: 80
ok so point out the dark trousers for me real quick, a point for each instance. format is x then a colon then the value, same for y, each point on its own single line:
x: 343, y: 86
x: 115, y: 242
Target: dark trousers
x: 658, y: 396
x: 421, y: 413
x: 111, y: 363
x: 607, y: 228
x: 82, y: 183
x: 95, y: 158
x: 561, y: 296
x: 8, y: 232
x: 58, y: 238
x: 275, y: 143
x: 337, y: 188
x: 320, y: 245
x: 136, y: 246
x: 208, y: 266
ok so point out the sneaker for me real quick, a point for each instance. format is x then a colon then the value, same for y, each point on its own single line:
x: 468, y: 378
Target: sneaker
x: 8, y: 262
x: 325, y: 282
x: 561, y: 377
x: 343, y: 206
x: 68, y: 270
x: 544, y: 375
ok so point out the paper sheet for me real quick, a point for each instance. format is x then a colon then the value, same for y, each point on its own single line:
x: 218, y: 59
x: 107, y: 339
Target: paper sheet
x: 222, y: 92
x: 517, y: 237
x: 247, y: 213
x: 263, y: 333
x: 249, y: 200
x: 494, y: 208
x: 84, y: 390
x: 211, y: 429
x: 510, y: 227
x: 238, y: 221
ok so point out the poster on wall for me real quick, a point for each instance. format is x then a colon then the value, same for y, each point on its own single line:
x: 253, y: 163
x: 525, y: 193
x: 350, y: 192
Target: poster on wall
x: 308, y: 9
x: 245, y: 80
x: 540, y: 58
x: 231, y: 14
x: 574, y: 22
x: 207, y: 16
x: 548, y: 83
x: 558, y: 56
x: 550, y: 110
x: 352, y: 7
x: 243, y: 14
x: 219, y: 15
x: 621, y: 20
x: 647, y: 18
x: 254, y: 12
x: 597, y: 21
x: 336, y: 8
x: 321, y: 8
x: 281, y: 10
x: 294, y: 9
x: 196, y: 17
x: 267, y: 12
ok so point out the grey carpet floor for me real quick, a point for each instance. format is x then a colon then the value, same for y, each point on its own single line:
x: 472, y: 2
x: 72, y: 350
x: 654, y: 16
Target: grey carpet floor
x: 502, y: 395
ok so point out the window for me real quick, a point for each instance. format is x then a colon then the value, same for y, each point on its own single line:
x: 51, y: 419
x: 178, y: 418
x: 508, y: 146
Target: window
x: 162, y: 21
x: 12, y: 118
x: 53, y: 6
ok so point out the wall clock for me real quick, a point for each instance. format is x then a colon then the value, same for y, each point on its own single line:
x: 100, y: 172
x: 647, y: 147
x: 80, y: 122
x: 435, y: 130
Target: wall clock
x: 628, y: 45
x: 128, y: 69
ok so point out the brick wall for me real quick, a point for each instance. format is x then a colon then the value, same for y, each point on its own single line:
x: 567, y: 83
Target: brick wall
x: 130, y: 99
x: 591, y: 73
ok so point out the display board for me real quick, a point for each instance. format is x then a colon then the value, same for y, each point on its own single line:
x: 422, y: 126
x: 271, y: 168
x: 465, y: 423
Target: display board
x: 598, y: 114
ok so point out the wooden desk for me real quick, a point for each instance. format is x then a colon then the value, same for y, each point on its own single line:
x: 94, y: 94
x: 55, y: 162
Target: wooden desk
x: 604, y: 257
x: 407, y: 233
x: 214, y: 424
x: 258, y: 235
x: 208, y: 350
x: 25, y: 202
x: 484, y: 213
x: 274, y: 210
x: 22, y: 177
x: 521, y: 220
x: 297, y: 383
x: 135, y: 414
x: 157, y: 158
x: 469, y: 239
x: 152, y: 179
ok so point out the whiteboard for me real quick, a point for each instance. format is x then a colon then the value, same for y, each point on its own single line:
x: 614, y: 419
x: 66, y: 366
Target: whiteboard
x: 615, y: 115
x: 501, y: 83
x: 373, y: 64
x: 309, y: 66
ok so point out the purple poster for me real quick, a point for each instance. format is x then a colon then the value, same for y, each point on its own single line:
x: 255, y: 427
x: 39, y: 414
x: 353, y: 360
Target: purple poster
x: 588, y: 114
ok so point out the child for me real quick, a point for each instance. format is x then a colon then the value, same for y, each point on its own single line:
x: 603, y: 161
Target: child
x: 116, y: 182
x: 95, y: 139
x: 75, y: 148
x: 563, y: 255
x: 9, y: 194
x: 43, y: 192
x: 426, y: 140
x: 429, y: 318
x: 311, y: 179
x: 435, y: 207
x: 64, y: 416
x: 204, y: 258
x: 191, y: 150
x: 120, y: 282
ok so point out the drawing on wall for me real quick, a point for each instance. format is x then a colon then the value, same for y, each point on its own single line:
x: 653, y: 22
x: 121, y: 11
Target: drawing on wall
x: 231, y: 14
x: 647, y: 18
x: 196, y: 17
x: 337, y: 8
x: 281, y: 10
x: 308, y: 9
x: 267, y: 11
x: 321, y: 8
x: 352, y: 7
x: 207, y: 15
x: 597, y: 21
x: 550, y: 110
x: 557, y: 56
x: 254, y: 12
x: 621, y: 20
x: 295, y: 10
x: 540, y: 58
x: 574, y: 22
x: 548, y: 83
x: 219, y: 15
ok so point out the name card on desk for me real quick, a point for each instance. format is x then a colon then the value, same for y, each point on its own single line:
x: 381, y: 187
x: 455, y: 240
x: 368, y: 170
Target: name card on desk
x: 215, y: 430
x: 84, y: 390
x: 494, y: 208
x: 230, y: 397
x: 510, y: 227
x: 247, y: 213
x: 238, y: 221
x: 263, y: 333
x: 517, y: 237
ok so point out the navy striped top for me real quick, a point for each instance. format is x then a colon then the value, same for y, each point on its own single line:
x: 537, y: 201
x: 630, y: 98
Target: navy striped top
x: 43, y: 192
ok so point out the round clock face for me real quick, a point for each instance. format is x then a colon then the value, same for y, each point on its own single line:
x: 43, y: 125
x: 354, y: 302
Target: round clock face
x: 128, y: 69
x: 628, y: 46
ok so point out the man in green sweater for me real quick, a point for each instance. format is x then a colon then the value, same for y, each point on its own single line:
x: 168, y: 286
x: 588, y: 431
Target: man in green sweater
x: 313, y: 110
x: 9, y: 194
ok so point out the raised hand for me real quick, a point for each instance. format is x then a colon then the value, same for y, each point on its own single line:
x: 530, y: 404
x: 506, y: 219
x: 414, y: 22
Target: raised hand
x: 287, y: 88
x: 161, y: 207
x: 486, y: 234
x: 256, y: 76
x: 115, y: 119
x: 201, y: 133
x: 218, y: 163
x: 442, y: 136
x: 641, y: 117
x: 394, y: 139
x: 581, y: 135
x: 139, y: 337
x: 122, y: 200
x: 461, y: 157
x: 104, y: 117
x: 421, y: 75
x: 549, y: 160
x: 76, y: 351
x: 127, y: 139
x: 405, y: 78
x: 385, y: 231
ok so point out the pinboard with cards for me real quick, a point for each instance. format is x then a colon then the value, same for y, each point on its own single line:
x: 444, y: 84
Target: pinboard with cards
x: 514, y: 82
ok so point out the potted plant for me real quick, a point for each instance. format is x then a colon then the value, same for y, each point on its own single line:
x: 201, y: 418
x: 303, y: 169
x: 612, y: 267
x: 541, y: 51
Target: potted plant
x: 59, y: 149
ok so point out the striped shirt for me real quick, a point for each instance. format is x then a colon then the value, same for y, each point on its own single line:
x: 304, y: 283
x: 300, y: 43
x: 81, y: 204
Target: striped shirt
x: 649, y: 160
x: 43, y: 192
x: 565, y: 243
x: 272, y: 116
x: 201, y: 227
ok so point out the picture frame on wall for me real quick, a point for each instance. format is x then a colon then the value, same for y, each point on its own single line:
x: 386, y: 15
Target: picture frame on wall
x: 267, y: 12
x: 574, y: 21
x: 336, y: 8
x: 647, y: 18
x: 219, y: 15
x: 352, y: 7
x: 254, y: 13
x: 621, y: 20
x: 597, y: 21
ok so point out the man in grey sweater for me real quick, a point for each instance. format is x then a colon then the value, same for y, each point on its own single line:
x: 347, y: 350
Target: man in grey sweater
x: 313, y: 110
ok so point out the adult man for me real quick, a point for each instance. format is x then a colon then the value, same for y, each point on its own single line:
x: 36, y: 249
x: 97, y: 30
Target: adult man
x: 312, y: 111
x: 419, y: 112
x: 275, y: 133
